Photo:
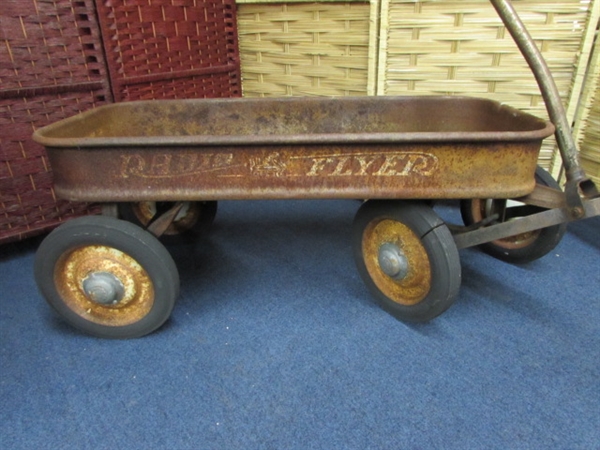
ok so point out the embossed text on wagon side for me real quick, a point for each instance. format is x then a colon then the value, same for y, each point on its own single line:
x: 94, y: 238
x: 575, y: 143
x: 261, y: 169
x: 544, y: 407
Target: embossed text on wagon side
x: 165, y: 165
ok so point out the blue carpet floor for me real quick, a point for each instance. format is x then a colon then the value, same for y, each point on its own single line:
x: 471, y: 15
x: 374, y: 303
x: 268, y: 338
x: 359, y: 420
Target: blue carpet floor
x: 275, y: 343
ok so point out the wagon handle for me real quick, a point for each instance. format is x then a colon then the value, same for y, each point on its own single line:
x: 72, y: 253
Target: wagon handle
x: 577, y: 182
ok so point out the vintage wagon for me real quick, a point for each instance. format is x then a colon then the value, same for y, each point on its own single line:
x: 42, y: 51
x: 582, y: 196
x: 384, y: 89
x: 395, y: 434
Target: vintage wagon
x: 167, y: 163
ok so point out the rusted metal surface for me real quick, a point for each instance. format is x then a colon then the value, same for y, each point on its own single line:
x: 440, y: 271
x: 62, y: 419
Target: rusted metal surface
x: 164, y: 221
x: 485, y: 209
x: 123, y: 295
x: 526, y: 224
x: 578, y: 185
x: 367, y: 147
x: 544, y: 197
x: 403, y: 272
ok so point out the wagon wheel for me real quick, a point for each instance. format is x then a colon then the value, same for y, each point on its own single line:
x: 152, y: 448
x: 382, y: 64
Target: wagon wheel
x: 107, y: 277
x: 406, y: 256
x: 195, y: 217
x: 520, y: 248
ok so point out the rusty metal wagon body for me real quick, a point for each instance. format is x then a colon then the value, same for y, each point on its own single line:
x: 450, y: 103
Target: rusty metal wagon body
x: 363, y: 147
x: 169, y: 162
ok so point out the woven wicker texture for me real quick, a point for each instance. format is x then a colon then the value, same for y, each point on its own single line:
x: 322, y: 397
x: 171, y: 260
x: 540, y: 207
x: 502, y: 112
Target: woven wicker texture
x: 51, y: 67
x: 305, y: 49
x: 28, y: 205
x: 588, y: 123
x: 48, y: 43
x: 170, y: 48
x: 590, y: 146
x: 462, y: 48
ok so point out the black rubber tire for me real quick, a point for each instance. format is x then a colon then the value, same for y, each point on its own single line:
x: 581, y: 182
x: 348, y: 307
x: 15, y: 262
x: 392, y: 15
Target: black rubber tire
x: 130, y: 240
x: 200, y: 221
x: 523, y: 248
x: 437, y: 243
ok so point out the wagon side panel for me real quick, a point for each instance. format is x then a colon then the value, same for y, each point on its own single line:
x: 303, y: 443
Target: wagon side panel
x: 410, y: 170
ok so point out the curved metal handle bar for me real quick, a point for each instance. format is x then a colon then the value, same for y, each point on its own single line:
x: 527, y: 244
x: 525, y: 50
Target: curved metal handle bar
x: 576, y: 178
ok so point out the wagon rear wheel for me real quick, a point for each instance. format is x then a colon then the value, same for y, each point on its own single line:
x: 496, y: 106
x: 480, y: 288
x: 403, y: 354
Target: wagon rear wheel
x: 407, y: 257
x: 107, y: 277
x: 520, y: 248
x: 194, y: 217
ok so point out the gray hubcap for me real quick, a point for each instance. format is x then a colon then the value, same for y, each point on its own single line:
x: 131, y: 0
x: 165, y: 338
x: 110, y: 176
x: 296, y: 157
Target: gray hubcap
x: 104, y: 288
x: 392, y: 261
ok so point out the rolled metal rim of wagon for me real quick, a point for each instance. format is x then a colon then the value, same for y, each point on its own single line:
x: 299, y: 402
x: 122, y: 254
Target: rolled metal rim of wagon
x: 83, y: 129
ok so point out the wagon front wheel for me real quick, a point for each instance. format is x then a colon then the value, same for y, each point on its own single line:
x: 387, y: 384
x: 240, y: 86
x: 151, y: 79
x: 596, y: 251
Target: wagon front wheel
x: 406, y: 256
x: 520, y: 248
x: 107, y: 277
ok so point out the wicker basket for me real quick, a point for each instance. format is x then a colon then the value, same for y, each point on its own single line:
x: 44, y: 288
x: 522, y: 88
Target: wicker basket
x: 51, y: 67
x: 171, y: 48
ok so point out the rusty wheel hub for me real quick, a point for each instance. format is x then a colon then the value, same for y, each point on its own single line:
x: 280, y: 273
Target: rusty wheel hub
x: 104, y: 285
x: 397, y: 261
x: 486, y: 208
